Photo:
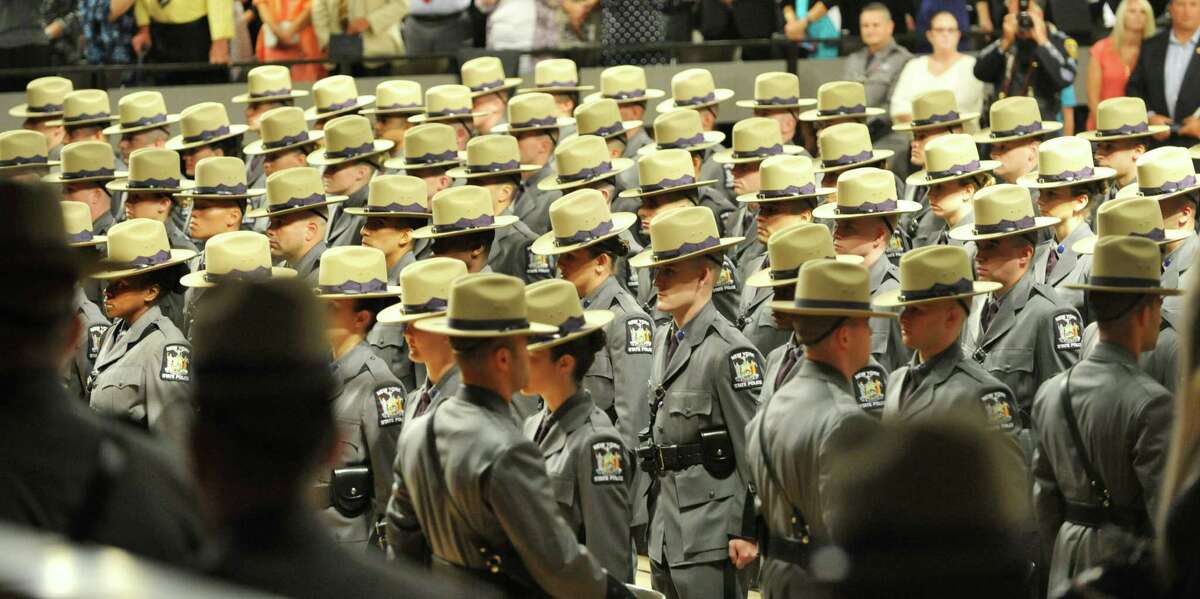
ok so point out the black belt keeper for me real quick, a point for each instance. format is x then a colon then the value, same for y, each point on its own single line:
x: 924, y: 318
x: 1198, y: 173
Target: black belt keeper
x: 671, y: 458
x: 787, y: 550
x: 1097, y: 516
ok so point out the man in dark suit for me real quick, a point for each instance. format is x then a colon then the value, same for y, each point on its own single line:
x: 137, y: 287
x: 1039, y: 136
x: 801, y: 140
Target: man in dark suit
x: 1167, y: 75
x: 739, y: 19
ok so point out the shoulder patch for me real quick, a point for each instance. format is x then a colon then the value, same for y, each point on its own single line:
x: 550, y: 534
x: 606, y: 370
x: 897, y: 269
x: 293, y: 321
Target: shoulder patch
x: 95, y: 335
x: 538, y: 265
x: 176, y: 363
x: 1068, y: 333
x: 1072, y: 47
x: 747, y: 372
x: 639, y: 336
x: 725, y: 279
x: 608, y: 464
x: 870, y: 386
x: 389, y: 402
x: 999, y: 408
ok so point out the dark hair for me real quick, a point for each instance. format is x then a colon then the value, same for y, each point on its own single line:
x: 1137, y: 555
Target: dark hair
x: 815, y: 329
x: 230, y: 147
x: 615, y: 247
x: 464, y: 243
x: 877, y: 7
x: 1113, y: 308
x: 583, y: 349
x: 89, y: 129
x: 474, y: 349
x: 374, y: 305
x: 940, y: 13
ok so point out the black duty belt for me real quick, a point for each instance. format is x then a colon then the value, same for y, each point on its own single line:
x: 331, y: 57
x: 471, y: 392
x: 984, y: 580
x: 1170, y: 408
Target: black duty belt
x: 1098, y: 516
x: 787, y: 550
x: 671, y: 458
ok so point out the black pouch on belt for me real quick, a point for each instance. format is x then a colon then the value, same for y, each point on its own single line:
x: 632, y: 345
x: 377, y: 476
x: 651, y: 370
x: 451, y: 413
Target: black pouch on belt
x: 350, y: 490
x: 718, y: 452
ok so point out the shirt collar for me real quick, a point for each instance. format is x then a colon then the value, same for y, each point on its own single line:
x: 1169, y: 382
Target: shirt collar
x: 1192, y: 41
x: 350, y: 364
x: 693, y: 331
x: 573, y: 412
x: 1106, y: 351
x: 940, y: 364
x: 603, y: 295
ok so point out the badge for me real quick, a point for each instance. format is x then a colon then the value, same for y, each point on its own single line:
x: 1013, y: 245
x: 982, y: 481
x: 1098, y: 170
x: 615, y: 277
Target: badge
x: 176, y: 363
x: 606, y: 463
x: 869, y: 388
x: 639, y: 336
x: 747, y: 374
x: 389, y: 400
x: 725, y: 279
x: 538, y: 265
x: 95, y: 335
x: 999, y: 409
x: 1067, y: 332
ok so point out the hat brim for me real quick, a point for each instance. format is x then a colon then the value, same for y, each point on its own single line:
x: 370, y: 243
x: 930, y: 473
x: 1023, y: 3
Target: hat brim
x: 546, y: 245
x: 120, y: 129
x: 1129, y: 290
x: 762, y: 278
x: 22, y: 111
x: 636, y: 192
x: 891, y: 299
x: 123, y: 186
x: 46, y: 165
x: 619, y: 165
x: 753, y: 197
x: 1194, y: 152
x: 427, y: 232
x: 1048, y: 127
x: 1095, y: 135
x: 593, y: 320
x: 406, y: 110
x: 921, y: 177
x: 876, y: 156
x: 967, y: 232
x: 726, y: 156
x: 650, y: 94
x: 556, y: 89
x: 57, y: 177
x: 1100, y: 173
x: 312, y: 114
x: 788, y: 307
x: 424, y: 117
x: 198, y: 279
x: 394, y: 314
x: 372, y: 214
x: 815, y: 115
x: 1133, y: 191
x: 176, y: 143
x: 107, y: 273
x: 255, y: 148
x: 802, y: 103
x: 94, y: 241
x: 267, y: 213
x: 246, y: 98
x: 62, y: 122
x: 830, y: 211
x: 560, y: 123
x: 1087, y: 245
x: 645, y: 259
x: 319, y: 157
x: 461, y: 172
x: 440, y: 325
x: 392, y: 291
x: 711, y: 138
x: 626, y: 127
x: 965, y: 117
x: 401, y: 163
x: 509, y: 84
x: 250, y: 193
x: 719, y: 95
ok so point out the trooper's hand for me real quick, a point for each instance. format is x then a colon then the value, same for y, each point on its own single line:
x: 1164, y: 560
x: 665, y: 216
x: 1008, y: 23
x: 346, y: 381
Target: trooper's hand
x: 742, y: 552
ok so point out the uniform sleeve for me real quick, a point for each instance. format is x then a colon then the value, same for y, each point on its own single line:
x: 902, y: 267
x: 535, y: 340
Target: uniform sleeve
x: 169, y: 410
x: 738, y: 381
x: 381, y: 429
x: 220, y: 19
x: 852, y: 429
x: 387, y: 16
x: 601, y: 475
x: 1151, y: 439
x: 1060, y: 340
x: 989, y: 66
x: 1047, y: 498
x: 1058, y: 64
x: 632, y: 362
x: 404, y: 535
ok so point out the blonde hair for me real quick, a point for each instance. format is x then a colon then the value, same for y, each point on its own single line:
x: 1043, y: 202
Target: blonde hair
x: 1118, y: 30
x: 1184, y: 454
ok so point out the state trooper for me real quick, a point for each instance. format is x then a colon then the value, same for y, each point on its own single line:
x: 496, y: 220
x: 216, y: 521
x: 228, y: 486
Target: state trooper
x: 626, y: 85
x: 430, y: 152
x: 1016, y: 131
x: 695, y: 90
x: 603, y: 118
x: 705, y: 383
x: 806, y: 427
x: 1031, y: 58
x: 1023, y: 333
x: 284, y: 142
x: 350, y: 158
x: 368, y: 404
x: 450, y: 104
x: 1103, y: 426
x: 143, y: 122
x: 154, y: 176
x: 490, y: 91
x: 24, y: 156
x: 786, y: 201
x: 777, y: 97
x: 77, y: 220
x: 43, y: 105
x: 267, y: 87
x: 86, y: 113
x: 485, y: 506
x: 334, y: 96
x: 1122, y: 135
x: 205, y: 131
x: 952, y: 175
x: 589, y: 464
x: 865, y: 212
x: 533, y: 120
x: 298, y: 213
x: 558, y: 77
x: 396, y: 100
x: 839, y: 102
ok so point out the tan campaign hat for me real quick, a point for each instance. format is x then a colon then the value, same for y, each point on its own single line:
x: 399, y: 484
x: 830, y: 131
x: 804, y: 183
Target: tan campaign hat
x: 221, y: 178
x: 1064, y: 161
x: 430, y: 145
x: 693, y: 89
x: 268, y: 83
x: 449, y: 102
x: 681, y: 130
x: 935, y: 273
x: 841, y: 99
x: 462, y: 210
x: 1122, y: 118
x: 397, y: 96
x: 786, y: 178
x: 831, y: 288
x: 295, y: 190
x: 1124, y: 264
x: 395, y: 196
x: 950, y: 157
x: 583, y: 160
x: 138, y: 246
x: 847, y: 145
x: 790, y: 248
x: 1002, y: 210
x: 425, y: 286
x: 348, y: 138
x: 236, y: 256
x: 755, y: 139
x: 86, y: 161
x: 281, y: 129
x: 1013, y: 118
x: 354, y: 272
x: 602, y: 118
x: 865, y: 192
x: 1134, y: 217
x: 153, y: 170
x: 555, y: 302
x: 485, y: 305
x: 44, y: 98
x: 531, y: 112
x: 77, y: 220
x: 1163, y: 173
x: 140, y: 111
x: 935, y: 109
x: 204, y: 124
x: 665, y: 171
x: 335, y: 95
x: 626, y: 84
x: 681, y: 234
x: 556, y: 75
x: 580, y: 219
x: 485, y: 75
x: 777, y: 90
x: 492, y: 156
x: 85, y: 107
x: 22, y: 148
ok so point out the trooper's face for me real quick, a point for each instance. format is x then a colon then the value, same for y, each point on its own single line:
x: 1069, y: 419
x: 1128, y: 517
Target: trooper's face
x: 493, y: 107
x: 773, y: 217
x: 680, y: 284
x: 147, y: 205
x: 926, y: 325
x: 655, y: 205
x: 542, y: 372
x: 193, y: 156
x: 746, y: 178
x: 949, y: 198
x: 386, y: 234
x: 283, y: 160
x: 1016, y: 158
x: 1121, y: 155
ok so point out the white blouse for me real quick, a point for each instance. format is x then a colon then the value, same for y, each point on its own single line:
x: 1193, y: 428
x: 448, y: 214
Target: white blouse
x: 960, y: 78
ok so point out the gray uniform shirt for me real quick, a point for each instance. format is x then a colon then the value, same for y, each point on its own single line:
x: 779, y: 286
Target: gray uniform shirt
x: 345, y: 228
x: 309, y: 265
x: 1071, y: 268
x: 617, y: 379
x: 94, y: 324
x: 1177, y: 270
x: 756, y: 318
x: 533, y: 204
x: 387, y: 340
x: 887, y: 347
x: 726, y: 291
x: 1162, y: 362
x: 511, y: 255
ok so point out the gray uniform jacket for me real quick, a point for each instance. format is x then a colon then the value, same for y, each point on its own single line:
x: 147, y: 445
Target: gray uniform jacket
x: 309, y: 266
x: 492, y: 498
x: 1177, y: 271
x: 721, y: 192
x: 1162, y: 362
x: 626, y: 275
x: 257, y: 178
x: 345, y: 228
x: 368, y: 410
x: 775, y: 363
x: 878, y: 73
x: 725, y: 295
x: 1072, y: 267
x: 887, y: 347
x: 94, y: 324
x: 804, y: 429
x: 617, y: 379
x: 511, y: 255
x: 949, y: 384
x: 711, y: 382
x: 177, y: 239
x: 1124, y: 418
x: 589, y: 478
x: 143, y: 374
x: 387, y: 340
x: 756, y: 319
x: 629, y: 178
x: 533, y: 204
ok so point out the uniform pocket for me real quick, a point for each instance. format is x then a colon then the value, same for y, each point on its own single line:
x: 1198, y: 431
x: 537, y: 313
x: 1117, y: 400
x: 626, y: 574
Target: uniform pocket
x: 707, y: 510
x: 118, y: 391
x: 689, y: 403
x: 563, y: 490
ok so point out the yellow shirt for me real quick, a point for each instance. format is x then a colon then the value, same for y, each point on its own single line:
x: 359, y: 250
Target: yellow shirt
x: 178, y: 12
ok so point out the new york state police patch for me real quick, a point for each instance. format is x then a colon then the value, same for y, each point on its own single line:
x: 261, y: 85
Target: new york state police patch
x: 747, y: 372
x: 389, y: 401
x: 607, y: 464
x: 870, y: 386
x: 1068, y: 333
x: 176, y: 363
x: 639, y: 336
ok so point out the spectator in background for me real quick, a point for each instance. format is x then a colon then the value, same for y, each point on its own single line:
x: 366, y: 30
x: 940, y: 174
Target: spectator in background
x: 1113, y: 58
x: 927, y: 10
x: 816, y: 25
x: 1160, y: 79
x: 946, y: 68
x: 632, y: 22
x: 23, y: 42
x: 434, y: 26
x: 61, y: 20
x: 108, y: 30
x: 740, y: 19
x: 1037, y: 61
x: 287, y: 33
x: 376, y: 22
x: 878, y: 65
x: 185, y: 31
x: 580, y: 22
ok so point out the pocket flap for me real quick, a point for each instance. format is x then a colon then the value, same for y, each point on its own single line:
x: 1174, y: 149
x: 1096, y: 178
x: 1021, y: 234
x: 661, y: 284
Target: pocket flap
x: 689, y: 403
x: 695, y: 486
x: 563, y: 490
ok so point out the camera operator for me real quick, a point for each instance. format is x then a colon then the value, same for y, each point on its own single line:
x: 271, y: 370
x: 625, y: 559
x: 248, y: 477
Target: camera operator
x: 1032, y: 58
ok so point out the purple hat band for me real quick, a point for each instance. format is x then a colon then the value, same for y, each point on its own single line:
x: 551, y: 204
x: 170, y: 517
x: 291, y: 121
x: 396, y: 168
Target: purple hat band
x: 683, y: 142
x: 611, y: 130
x: 435, y: 304
x: 958, y: 169
x: 669, y: 183
x: 146, y: 120
x: 868, y: 207
x: 572, y: 324
x: 1033, y: 127
x: 220, y: 189
x: 45, y: 108
x: 790, y: 190
x: 271, y: 93
x: 937, y: 290
x: 286, y: 140
x: 399, y: 106
x: 587, y: 173
x: 207, y: 135
x: 777, y: 101
x: 1169, y: 186
x: 397, y: 207
x: 559, y: 84
x: 546, y: 121
x: 487, y: 85
x: 339, y: 105
x: 24, y: 160
x: 351, y: 152
x: 311, y: 200
x: 432, y: 158
x: 80, y: 237
x: 86, y: 117
x: 706, y: 98
x: 841, y: 110
x: 934, y: 119
x: 627, y: 95
x: 1142, y: 127
x: 813, y: 304
x: 168, y: 183
x: 493, y: 167
x: 599, y: 230
x: 688, y: 248
x: 151, y: 260
x: 257, y: 274
x: 465, y: 224
x: 849, y: 159
x: 355, y: 287
x: 490, y: 324
x: 1153, y: 235
x: 86, y: 173
x: 1068, y: 176
x: 763, y: 152
x: 1006, y: 226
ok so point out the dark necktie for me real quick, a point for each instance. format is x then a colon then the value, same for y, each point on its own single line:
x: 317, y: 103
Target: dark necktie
x: 542, y: 429
x: 916, y: 375
x: 672, y: 344
x: 990, y: 308
x: 424, y: 401
x: 1052, y: 260
x: 793, y: 355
